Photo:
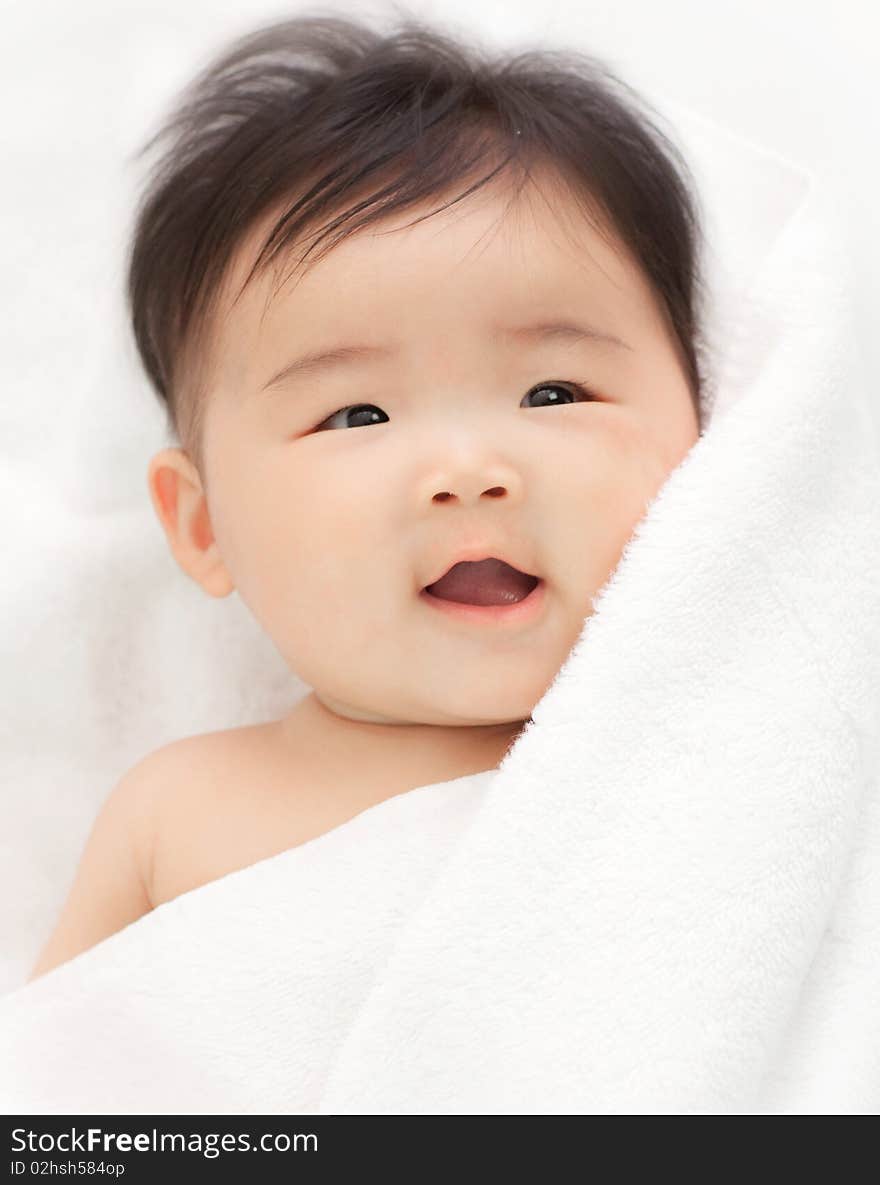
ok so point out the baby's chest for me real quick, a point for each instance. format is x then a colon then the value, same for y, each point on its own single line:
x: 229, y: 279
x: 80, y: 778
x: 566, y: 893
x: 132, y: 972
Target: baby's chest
x: 209, y: 832
x: 244, y: 797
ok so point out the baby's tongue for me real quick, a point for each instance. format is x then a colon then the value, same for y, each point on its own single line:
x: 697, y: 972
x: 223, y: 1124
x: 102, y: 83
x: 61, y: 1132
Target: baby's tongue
x: 486, y: 582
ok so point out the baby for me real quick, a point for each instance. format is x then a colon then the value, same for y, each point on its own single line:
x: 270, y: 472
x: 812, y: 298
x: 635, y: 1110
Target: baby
x: 418, y: 453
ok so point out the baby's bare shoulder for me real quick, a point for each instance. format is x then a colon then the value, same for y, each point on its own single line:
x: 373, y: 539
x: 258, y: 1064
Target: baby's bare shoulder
x: 211, y: 761
x: 169, y: 824
x: 214, y: 806
x: 190, y: 776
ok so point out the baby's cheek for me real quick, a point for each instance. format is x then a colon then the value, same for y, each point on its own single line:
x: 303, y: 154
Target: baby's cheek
x: 608, y: 440
x: 646, y: 449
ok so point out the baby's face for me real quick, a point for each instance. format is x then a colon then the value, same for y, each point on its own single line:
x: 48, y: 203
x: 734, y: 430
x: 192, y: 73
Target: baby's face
x: 330, y: 521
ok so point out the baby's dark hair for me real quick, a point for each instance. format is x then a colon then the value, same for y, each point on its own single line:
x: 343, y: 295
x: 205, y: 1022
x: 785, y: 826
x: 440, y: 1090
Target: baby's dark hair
x: 341, y: 121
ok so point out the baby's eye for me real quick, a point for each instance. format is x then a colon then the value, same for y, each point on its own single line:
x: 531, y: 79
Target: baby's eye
x: 371, y: 413
x: 571, y: 389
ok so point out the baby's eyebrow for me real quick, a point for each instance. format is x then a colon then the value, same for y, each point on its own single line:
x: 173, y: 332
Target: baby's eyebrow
x: 356, y: 355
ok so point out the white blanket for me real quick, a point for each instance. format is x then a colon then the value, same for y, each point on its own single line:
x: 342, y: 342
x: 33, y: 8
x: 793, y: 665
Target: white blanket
x: 667, y: 899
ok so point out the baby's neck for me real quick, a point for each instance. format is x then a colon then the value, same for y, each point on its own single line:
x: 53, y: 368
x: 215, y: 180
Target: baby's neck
x: 312, y: 724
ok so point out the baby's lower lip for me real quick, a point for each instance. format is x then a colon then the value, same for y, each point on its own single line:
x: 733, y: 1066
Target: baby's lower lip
x: 515, y: 613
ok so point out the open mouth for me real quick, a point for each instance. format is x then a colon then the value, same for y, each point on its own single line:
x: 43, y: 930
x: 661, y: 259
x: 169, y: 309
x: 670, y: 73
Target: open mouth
x: 487, y: 591
x: 483, y: 582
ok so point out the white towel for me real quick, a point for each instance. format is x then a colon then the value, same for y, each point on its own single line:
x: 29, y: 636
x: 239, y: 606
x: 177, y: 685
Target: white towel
x: 667, y: 899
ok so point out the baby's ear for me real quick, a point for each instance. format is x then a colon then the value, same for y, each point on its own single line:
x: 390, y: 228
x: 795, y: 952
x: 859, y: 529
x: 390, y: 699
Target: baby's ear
x: 181, y: 507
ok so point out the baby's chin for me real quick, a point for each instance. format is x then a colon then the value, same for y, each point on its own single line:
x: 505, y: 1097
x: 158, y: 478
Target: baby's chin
x: 496, y: 709
x: 450, y: 712
x: 491, y: 698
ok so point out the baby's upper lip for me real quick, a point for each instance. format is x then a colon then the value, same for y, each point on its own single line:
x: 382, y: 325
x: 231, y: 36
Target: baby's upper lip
x: 476, y: 553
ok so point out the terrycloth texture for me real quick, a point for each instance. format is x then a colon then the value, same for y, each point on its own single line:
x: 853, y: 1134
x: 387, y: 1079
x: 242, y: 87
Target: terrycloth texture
x: 667, y: 899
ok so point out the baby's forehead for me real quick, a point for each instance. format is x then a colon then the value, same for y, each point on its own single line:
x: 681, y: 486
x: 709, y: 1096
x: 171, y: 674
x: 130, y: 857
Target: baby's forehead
x: 543, y: 206
x: 506, y: 267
